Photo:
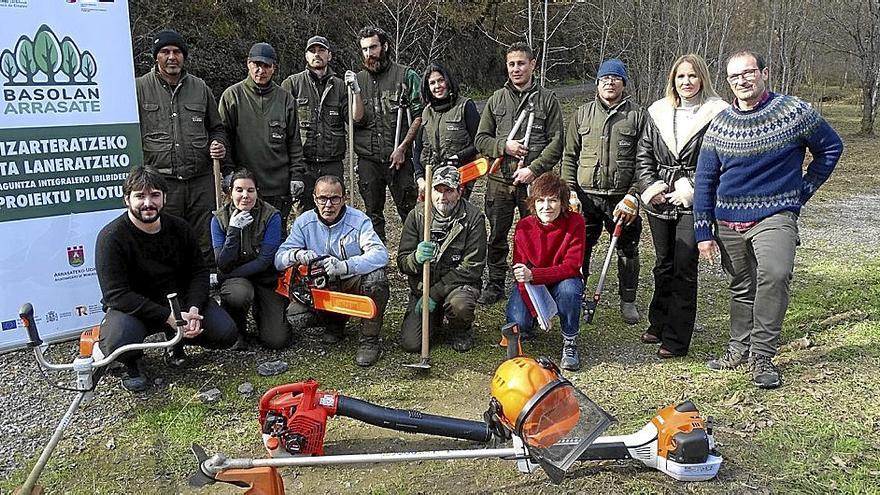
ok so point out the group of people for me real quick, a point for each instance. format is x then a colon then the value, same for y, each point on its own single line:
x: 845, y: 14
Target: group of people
x: 717, y: 180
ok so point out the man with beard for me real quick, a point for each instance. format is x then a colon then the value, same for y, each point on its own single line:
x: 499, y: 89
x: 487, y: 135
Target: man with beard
x: 457, y: 252
x: 322, y: 109
x: 506, y: 189
x: 260, y: 119
x: 353, y: 257
x: 141, y: 257
x: 181, y: 134
x: 385, y: 86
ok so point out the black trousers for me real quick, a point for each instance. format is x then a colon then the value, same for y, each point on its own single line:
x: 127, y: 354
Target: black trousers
x: 193, y: 200
x: 284, y: 205
x: 674, y: 304
x: 373, y: 177
x: 119, y: 329
x: 238, y: 295
x: 502, y: 200
x: 598, y: 216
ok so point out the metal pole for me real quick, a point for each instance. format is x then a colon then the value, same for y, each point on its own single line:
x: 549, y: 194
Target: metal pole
x: 351, y: 181
x: 32, y: 478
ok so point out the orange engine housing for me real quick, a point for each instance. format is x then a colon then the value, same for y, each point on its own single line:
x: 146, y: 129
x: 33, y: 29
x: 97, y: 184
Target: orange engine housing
x: 296, y: 414
x: 672, y: 420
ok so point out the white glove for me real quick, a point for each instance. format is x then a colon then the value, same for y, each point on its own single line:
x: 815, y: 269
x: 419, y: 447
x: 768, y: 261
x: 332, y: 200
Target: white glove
x: 304, y: 256
x: 241, y: 219
x: 352, y: 82
x: 296, y: 189
x: 573, y: 202
x: 334, y: 267
x: 683, y: 194
x: 654, y: 189
x: 213, y: 280
x: 627, y: 209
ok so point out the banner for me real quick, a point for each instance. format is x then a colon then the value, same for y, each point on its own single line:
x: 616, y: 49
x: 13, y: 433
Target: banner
x: 68, y: 135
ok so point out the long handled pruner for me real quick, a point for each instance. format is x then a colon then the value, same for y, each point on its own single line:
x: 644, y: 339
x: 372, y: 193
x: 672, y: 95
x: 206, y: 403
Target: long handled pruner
x: 425, y: 361
x: 591, y: 304
x: 528, y: 112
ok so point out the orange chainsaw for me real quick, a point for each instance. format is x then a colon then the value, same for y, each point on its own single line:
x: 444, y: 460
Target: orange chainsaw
x: 309, y: 285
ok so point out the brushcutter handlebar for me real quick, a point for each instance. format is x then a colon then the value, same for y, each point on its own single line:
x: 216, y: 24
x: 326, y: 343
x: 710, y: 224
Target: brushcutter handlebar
x: 26, y: 313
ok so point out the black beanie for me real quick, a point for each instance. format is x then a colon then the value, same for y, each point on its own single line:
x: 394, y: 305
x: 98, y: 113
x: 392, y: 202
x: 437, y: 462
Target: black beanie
x: 169, y: 37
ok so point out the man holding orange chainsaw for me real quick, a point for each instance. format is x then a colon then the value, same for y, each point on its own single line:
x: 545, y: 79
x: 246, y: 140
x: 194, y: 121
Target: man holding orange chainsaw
x: 350, y: 252
x: 599, y: 167
x: 522, y: 126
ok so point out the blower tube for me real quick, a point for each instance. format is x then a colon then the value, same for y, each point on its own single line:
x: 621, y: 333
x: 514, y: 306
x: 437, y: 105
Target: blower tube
x: 412, y: 421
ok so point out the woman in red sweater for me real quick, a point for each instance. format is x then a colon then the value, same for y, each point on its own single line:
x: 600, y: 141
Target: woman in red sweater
x: 548, y: 249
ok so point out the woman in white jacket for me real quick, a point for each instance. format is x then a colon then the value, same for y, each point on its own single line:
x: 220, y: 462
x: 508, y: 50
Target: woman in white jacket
x: 666, y: 161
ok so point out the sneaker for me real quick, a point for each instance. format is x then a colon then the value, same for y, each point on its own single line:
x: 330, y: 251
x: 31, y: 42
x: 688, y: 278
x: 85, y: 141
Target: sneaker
x: 491, y: 294
x: 134, y: 379
x: 630, y: 312
x: 463, y: 342
x: 731, y: 360
x: 571, y: 359
x: 369, y: 350
x: 764, y: 372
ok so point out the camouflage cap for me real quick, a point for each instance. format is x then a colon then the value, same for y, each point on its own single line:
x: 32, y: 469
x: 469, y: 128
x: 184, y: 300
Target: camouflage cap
x: 447, y: 176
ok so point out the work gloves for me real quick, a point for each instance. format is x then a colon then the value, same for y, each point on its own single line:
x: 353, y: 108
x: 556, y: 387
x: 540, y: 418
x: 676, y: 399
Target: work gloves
x: 334, y: 267
x: 574, y: 204
x: 452, y: 161
x: 432, y: 305
x: 352, y: 82
x: 240, y: 219
x: 296, y: 189
x: 627, y: 210
x: 425, y: 251
x: 304, y: 256
x: 683, y: 195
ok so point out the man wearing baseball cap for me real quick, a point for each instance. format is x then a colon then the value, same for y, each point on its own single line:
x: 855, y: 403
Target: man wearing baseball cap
x: 322, y: 112
x: 260, y: 119
x: 599, y: 166
x: 457, y: 253
x: 181, y: 133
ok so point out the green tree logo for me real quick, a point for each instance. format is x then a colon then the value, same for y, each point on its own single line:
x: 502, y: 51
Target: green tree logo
x: 44, y: 57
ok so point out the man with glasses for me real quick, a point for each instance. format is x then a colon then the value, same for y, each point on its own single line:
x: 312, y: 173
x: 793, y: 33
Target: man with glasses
x: 506, y: 189
x: 749, y: 190
x: 261, y: 122
x: 351, y: 254
x: 599, y: 167
x: 457, y: 252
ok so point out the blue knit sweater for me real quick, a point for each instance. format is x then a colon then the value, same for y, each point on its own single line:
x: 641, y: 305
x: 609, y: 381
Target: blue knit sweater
x: 751, y: 162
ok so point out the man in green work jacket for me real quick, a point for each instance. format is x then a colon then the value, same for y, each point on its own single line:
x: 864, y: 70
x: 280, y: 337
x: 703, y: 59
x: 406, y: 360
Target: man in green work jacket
x: 181, y: 134
x: 261, y: 121
x: 385, y: 86
x: 507, y: 187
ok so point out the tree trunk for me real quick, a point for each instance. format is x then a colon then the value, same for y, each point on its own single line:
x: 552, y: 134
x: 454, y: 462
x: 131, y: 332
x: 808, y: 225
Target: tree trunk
x: 868, y: 90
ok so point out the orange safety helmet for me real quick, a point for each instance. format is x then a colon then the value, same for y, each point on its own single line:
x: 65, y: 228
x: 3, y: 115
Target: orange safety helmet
x: 516, y: 382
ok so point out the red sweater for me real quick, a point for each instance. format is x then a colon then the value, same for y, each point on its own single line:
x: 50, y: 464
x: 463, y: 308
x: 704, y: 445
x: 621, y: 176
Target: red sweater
x: 553, y: 252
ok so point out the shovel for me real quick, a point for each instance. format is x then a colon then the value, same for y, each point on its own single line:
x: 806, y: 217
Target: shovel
x: 425, y: 361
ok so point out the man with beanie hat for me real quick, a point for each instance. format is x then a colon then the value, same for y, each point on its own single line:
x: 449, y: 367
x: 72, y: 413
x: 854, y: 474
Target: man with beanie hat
x: 260, y: 119
x: 322, y: 111
x: 457, y: 252
x: 181, y: 134
x: 507, y: 189
x: 599, y: 167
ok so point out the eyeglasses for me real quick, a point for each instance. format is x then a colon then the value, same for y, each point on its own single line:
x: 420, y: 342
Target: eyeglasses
x: 610, y: 79
x: 747, y: 75
x: 333, y: 200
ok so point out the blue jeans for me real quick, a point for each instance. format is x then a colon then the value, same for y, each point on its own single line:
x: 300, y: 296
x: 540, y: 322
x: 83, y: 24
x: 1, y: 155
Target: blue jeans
x: 568, y: 295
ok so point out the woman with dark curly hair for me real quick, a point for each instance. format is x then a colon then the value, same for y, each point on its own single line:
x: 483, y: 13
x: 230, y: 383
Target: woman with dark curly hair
x: 548, y: 249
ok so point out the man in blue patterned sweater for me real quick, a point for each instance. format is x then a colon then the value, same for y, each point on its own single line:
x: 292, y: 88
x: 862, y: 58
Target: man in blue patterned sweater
x: 749, y: 189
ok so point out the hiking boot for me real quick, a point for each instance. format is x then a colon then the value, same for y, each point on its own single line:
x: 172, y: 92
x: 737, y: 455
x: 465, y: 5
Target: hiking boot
x: 332, y: 335
x: 491, y: 294
x: 571, y: 359
x: 134, y: 379
x: 239, y: 345
x: 463, y: 342
x: 764, y: 372
x: 369, y: 350
x: 176, y: 358
x: 731, y: 360
x: 630, y: 312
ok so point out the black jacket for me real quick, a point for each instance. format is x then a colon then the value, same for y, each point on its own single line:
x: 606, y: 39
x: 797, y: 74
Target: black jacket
x: 662, y: 158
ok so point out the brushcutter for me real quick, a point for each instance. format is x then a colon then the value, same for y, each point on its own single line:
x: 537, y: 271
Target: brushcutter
x: 309, y: 285
x: 550, y: 422
x: 90, y: 360
x: 590, y: 305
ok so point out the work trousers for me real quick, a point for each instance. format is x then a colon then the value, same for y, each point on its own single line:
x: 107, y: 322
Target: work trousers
x: 673, y: 307
x: 373, y: 177
x: 239, y: 294
x: 194, y: 201
x: 458, y: 308
x: 314, y: 170
x: 567, y: 293
x: 502, y: 200
x: 761, y: 264
x: 284, y: 205
x: 119, y: 329
x: 373, y: 285
x: 598, y: 213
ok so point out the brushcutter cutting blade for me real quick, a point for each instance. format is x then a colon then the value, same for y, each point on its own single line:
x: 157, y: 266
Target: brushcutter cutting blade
x: 199, y: 478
